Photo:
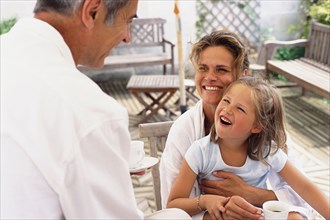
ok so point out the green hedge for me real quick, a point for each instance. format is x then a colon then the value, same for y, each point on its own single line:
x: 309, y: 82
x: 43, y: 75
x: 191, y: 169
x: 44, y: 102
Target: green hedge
x: 321, y: 12
x: 6, y: 25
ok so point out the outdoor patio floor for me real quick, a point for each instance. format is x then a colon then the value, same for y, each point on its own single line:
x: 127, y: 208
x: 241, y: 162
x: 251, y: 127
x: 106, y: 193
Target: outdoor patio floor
x: 308, y: 125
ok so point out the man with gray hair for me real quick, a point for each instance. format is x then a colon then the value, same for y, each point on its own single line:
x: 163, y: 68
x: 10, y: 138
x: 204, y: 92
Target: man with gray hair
x: 64, y: 143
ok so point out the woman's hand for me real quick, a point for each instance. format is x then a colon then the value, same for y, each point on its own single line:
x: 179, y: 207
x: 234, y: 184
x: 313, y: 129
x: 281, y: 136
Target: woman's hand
x: 232, y: 185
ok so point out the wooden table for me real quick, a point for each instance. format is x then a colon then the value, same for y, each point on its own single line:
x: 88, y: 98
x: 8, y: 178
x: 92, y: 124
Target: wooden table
x: 157, y: 88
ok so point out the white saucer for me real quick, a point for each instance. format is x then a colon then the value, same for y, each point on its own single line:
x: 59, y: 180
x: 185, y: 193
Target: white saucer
x: 146, y: 163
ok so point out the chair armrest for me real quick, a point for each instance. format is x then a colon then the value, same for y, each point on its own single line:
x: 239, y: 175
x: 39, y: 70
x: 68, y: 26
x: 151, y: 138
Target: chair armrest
x: 278, y: 43
x: 272, y: 45
x: 168, y: 42
x: 172, y: 52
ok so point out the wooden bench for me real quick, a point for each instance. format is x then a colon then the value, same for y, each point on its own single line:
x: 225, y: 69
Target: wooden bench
x: 147, y: 47
x: 312, y: 72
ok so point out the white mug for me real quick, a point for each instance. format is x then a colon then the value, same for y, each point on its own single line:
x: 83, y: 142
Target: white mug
x: 275, y: 210
x: 136, y: 154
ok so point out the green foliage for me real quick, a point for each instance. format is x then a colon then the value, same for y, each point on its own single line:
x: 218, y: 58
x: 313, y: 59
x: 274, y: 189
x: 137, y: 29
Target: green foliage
x: 302, y: 28
x: 321, y: 12
x: 314, y: 9
x: 214, y: 1
x: 6, y: 25
x: 289, y: 53
x: 267, y: 34
x: 244, y: 6
x: 202, y: 13
x: 278, y: 77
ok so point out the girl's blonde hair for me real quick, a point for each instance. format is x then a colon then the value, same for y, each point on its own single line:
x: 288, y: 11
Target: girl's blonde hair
x: 269, y: 113
x: 227, y: 39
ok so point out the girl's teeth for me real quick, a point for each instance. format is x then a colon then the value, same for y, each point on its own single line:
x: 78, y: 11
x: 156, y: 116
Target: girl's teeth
x: 225, y: 121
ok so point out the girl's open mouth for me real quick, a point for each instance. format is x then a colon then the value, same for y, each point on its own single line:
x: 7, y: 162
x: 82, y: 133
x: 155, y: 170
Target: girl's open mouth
x: 225, y: 120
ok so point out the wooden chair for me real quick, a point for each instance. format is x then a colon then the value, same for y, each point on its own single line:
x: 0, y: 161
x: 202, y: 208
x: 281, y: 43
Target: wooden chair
x: 147, y: 47
x: 157, y: 134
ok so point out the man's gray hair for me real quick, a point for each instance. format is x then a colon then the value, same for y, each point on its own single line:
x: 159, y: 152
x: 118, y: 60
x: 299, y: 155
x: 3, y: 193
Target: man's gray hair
x: 69, y: 7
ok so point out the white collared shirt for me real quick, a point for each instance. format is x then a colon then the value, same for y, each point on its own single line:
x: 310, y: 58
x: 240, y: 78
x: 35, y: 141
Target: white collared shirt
x: 64, y: 143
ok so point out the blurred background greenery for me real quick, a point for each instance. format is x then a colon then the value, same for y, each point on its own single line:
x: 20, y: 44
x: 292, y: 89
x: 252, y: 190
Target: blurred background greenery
x: 7, y: 24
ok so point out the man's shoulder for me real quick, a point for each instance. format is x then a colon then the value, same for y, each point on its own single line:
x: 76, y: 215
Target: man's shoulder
x: 97, y: 102
x: 84, y: 98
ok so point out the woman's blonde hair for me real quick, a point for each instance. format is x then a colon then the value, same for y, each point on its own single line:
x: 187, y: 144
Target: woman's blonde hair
x: 269, y: 113
x: 227, y: 39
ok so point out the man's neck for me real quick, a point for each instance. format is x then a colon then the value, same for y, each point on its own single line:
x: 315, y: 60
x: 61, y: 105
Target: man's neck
x: 64, y: 25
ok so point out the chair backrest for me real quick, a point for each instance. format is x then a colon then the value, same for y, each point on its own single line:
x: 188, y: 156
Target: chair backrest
x: 319, y: 37
x: 157, y: 134
x: 146, y: 32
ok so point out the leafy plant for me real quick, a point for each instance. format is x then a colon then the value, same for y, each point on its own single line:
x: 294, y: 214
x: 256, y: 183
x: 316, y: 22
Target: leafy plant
x: 7, y: 24
x: 315, y: 9
x: 202, y: 13
x: 321, y: 12
x: 289, y: 53
x: 302, y: 28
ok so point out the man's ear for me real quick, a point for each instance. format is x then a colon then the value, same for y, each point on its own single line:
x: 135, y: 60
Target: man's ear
x: 89, y: 12
x: 256, y: 129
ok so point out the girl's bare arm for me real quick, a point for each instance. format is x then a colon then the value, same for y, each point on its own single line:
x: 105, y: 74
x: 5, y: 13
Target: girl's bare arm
x: 179, y: 196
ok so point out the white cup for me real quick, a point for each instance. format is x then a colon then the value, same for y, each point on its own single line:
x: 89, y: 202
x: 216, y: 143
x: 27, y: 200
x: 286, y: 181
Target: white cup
x: 136, y: 154
x: 275, y: 210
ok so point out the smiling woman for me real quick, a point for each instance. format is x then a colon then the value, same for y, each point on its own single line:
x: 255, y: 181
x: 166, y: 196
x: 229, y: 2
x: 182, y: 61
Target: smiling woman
x: 218, y: 58
x: 212, y: 77
x: 214, y: 72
